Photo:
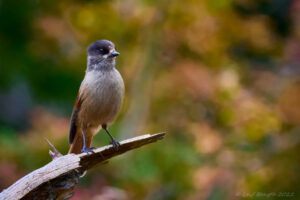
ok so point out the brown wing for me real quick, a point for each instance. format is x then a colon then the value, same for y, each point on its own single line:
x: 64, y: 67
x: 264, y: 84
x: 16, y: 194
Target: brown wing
x: 76, y: 109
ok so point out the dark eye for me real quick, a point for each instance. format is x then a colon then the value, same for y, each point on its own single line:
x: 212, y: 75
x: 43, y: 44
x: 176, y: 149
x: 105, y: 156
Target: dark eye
x: 103, y: 51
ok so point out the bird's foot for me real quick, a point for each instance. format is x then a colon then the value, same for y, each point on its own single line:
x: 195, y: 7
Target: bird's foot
x: 87, y: 150
x: 115, y: 144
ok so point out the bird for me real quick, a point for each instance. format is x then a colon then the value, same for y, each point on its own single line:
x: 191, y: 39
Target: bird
x: 99, y: 99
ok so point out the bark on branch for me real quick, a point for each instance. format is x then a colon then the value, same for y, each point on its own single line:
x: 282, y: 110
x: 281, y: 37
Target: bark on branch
x: 57, y: 179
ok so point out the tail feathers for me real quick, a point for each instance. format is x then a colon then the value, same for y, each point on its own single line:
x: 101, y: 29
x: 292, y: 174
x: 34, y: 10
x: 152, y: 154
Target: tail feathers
x: 77, y: 144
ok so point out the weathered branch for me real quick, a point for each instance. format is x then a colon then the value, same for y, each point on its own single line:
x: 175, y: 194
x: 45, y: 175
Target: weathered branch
x: 57, y: 179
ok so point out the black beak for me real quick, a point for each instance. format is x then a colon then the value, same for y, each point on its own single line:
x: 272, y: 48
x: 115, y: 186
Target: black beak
x: 113, y: 54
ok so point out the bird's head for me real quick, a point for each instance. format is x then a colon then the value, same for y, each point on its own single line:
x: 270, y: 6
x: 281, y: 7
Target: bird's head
x: 102, y: 54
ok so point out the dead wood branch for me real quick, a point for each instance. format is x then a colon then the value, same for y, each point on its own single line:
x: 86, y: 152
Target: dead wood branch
x: 57, y: 179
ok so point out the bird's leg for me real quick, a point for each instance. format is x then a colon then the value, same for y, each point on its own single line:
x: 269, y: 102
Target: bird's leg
x: 84, y: 148
x: 114, y: 142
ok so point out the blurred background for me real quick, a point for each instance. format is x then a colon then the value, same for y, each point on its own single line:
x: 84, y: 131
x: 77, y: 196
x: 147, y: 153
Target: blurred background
x: 220, y: 76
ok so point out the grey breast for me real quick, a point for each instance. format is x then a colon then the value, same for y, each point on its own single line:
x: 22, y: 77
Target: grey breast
x: 105, y: 94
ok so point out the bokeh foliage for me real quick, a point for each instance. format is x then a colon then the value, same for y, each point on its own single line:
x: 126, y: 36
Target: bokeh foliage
x: 220, y: 76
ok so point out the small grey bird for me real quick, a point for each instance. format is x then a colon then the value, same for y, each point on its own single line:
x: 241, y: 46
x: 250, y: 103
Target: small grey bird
x: 99, y: 98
